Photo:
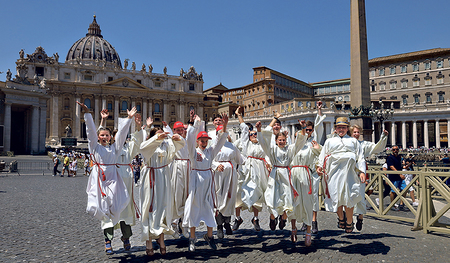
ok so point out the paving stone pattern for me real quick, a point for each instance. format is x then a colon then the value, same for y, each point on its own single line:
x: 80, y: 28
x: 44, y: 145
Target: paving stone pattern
x: 43, y: 219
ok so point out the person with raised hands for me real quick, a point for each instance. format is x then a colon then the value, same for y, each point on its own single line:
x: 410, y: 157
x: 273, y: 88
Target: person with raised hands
x: 156, y: 193
x: 254, y: 174
x: 201, y: 202
x: 107, y: 192
x: 280, y: 192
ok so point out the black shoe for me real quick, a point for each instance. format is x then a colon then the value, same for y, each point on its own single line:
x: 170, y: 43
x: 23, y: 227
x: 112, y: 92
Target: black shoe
x: 402, y: 208
x: 228, y: 230
x: 282, y: 223
x: 220, y: 234
x: 303, y: 229
x: 255, y: 223
x: 273, y: 224
x: 359, y: 223
x: 210, y: 241
x: 180, y: 226
x: 314, y: 228
x: 236, y: 224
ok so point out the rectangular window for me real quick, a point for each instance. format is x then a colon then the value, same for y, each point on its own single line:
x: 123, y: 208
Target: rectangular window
x: 427, y: 65
x: 439, y: 64
x: 415, y: 83
x: 428, y: 98
x: 372, y: 73
x: 381, y: 73
x: 440, y: 81
x: 173, y: 85
x: 416, y: 67
x: 340, y: 88
x: 403, y: 69
x: 110, y: 106
x: 393, y: 85
x: 416, y: 100
x: 88, y: 77
x: 441, y: 97
x: 382, y: 86
x: 333, y: 89
x: 392, y: 70
x: 66, y: 75
x: 191, y: 86
x: 346, y: 87
x: 427, y: 82
x: 110, y: 78
x: 374, y: 88
x: 158, y: 84
x: 39, y: 71
x: 405, y: 101
x: 404, y: 84
x: 139, y: 81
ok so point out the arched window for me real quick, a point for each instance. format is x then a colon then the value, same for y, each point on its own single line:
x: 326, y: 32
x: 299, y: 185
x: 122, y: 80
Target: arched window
x: 138, y: 107
x: 124, y: 105
x: 87, y: 102
x: 156, y: 107
x: 191, y: 108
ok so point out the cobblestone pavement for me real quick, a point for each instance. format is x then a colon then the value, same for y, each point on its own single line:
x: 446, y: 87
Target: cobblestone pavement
x: 43, y: 219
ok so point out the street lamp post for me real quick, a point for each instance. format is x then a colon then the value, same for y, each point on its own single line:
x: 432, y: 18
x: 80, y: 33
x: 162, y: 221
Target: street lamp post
x: 381, y: 114
x: 237, y: 130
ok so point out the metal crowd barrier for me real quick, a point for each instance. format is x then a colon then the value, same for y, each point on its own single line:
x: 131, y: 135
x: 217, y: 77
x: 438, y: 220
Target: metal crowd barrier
x: 38, y: 166
x: 429, y: 183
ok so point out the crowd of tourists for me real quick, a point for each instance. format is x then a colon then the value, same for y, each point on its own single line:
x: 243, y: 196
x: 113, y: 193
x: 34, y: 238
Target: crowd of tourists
x: 189, y: 176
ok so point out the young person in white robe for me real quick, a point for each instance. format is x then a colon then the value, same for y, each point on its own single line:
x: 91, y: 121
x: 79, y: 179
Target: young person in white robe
x: 302, y: 181
x: 369, y: 148
x: 129, y: 149
x: 342, y: 164
x: 254, y: 174
x: 212, y: 133
x: 225, y: 181
x: 107, y: 192
x: 315, y: 133
x: 180, y: 170
x: 201, y: 203
x: 279, y: 193
x: 156, y: 192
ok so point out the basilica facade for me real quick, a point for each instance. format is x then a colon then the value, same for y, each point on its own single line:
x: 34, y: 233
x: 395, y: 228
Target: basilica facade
x: 94, y: 74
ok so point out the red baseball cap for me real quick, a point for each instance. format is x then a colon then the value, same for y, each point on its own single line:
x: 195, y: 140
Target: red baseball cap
x: 178, y: 124
x: 203, y: 134
x: 220, y: 127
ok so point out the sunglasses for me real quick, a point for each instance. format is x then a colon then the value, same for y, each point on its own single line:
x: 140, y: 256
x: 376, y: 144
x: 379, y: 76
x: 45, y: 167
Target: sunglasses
x: 253, y: 134
x: 309, y: 130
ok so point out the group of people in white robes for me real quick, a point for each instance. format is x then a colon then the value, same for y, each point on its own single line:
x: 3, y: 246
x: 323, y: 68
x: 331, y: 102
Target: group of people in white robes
x: 190, y: 176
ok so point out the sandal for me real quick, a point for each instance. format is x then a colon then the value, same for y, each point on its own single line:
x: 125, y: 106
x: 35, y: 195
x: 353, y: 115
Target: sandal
x: 126, y: 243
x: 341, y: 223
x: 282, y: 223
x: 308, y: 239
x: 108, y: 248
x: 162, y: 249
x: 294, y: 235
x: 349, y: 227
x: 149, y: 251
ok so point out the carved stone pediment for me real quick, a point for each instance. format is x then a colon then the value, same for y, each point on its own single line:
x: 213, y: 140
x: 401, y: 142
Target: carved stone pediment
x: 125, y: 82
x: 39, y: 56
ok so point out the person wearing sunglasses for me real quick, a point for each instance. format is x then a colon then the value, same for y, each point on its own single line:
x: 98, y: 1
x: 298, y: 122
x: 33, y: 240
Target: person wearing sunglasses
x: 369, y: 148
x: 253, y: 175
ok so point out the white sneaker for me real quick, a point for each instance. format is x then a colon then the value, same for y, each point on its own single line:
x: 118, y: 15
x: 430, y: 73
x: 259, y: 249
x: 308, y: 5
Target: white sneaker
x: 377, y: 200
x: 186, y: 232
x: 191, y: 244
x: 415, y: 204
x: 175, y: 232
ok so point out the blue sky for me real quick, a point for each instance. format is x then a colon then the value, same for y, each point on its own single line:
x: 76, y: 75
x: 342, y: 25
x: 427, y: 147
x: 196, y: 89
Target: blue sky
x: 309, y: 40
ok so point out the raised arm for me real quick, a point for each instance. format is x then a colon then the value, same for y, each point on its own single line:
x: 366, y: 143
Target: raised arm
x: 239, y: 114
x: 104, y: 114
x: 370, y: 148
x: 91, y: 131
x: 124, y: 127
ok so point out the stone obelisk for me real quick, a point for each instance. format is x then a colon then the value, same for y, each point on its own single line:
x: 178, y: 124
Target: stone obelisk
x: 359, y: 77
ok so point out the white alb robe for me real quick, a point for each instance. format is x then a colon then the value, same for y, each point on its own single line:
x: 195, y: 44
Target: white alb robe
x: 106, y: 198
x: 279, y: 194
x: 344, y: 160
x: 253, y: 183
x: 200, y: 202
x: 129, y: 151
x: 226, y: 181
x: 369, y: 148
x: 156, y: 194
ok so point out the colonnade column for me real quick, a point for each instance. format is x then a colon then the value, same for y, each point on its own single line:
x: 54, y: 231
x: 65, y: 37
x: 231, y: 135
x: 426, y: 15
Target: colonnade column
x: 425, y: 134
x: 166, y: 113
x: 54, y: 121
x: 97, y: 111
x: 42, y: 128
x: 292, y: 133
x: 200, y: 110
x: 448, y: 133
x: 103, y: 102
x: 438, y: 135
x: 133, y: 123
x: 150, y: 109
x: 181, y: 113
x: 116, y: 113
x: 415, y: 144
x: 404, y: 145
x: 7, y: 131
x: 76, y: 125
x: 393, y: 133
x: 34, y: 129
x: 144, y: 110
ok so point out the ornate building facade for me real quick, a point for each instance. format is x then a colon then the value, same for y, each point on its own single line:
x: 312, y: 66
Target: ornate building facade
x: 93, y: 73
